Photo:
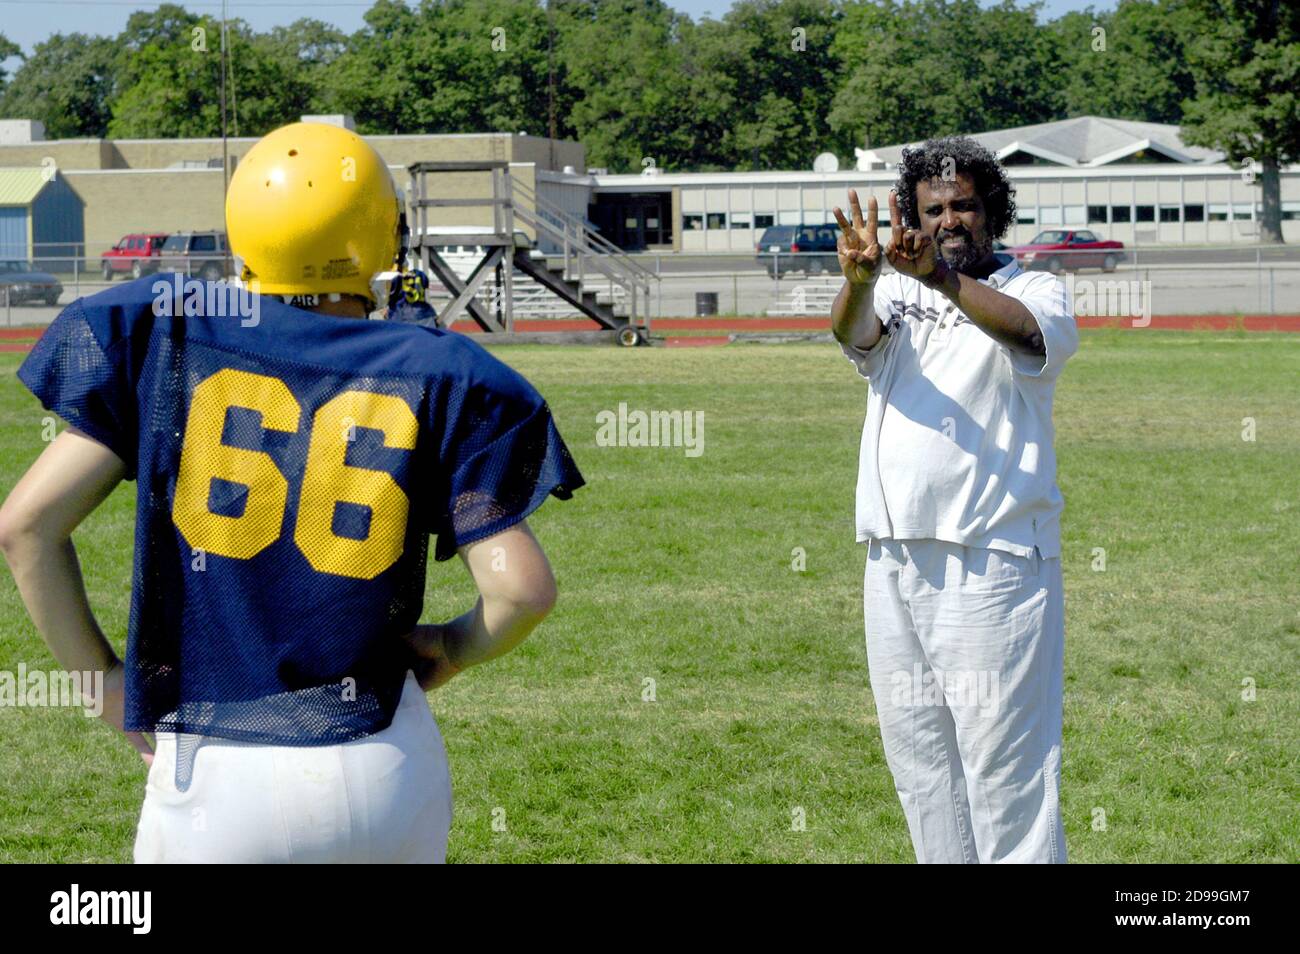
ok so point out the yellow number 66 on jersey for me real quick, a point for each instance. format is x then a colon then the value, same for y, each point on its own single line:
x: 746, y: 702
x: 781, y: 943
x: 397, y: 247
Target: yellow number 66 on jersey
x: 326, y: 479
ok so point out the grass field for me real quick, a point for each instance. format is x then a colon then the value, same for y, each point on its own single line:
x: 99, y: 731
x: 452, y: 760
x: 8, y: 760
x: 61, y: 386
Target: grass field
x: 678, y: 570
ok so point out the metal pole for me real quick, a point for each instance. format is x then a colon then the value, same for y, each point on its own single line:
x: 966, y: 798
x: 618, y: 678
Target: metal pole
x: 1272, y: 307
x: 225, y: 159
x: 1259, y: 278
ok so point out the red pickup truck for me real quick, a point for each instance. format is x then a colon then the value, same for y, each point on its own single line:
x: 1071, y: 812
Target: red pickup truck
x: 1058, y: 250
x: 135, y: 255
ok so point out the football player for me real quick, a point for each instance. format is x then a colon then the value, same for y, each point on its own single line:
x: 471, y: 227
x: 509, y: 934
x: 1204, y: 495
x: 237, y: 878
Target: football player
x: 291, y: 461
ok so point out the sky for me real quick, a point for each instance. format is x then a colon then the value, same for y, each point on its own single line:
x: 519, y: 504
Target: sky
x: 27, y: 23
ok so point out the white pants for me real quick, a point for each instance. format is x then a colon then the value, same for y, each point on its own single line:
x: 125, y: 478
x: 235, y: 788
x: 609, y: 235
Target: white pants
x: 384, y: 798
x: 966, y: 649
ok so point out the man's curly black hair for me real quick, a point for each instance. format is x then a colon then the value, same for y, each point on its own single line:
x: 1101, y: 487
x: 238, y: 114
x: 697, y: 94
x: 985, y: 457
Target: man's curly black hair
x: 928, y: 161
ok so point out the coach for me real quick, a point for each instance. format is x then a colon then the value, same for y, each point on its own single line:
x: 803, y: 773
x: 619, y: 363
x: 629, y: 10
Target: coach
x: 957, y: 501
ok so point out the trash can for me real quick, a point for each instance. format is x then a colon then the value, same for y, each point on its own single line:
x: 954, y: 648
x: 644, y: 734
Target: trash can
x: 706, y: 303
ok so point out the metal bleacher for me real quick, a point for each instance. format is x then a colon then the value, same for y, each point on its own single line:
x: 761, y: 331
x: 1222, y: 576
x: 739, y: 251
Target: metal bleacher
x: 591, y: 277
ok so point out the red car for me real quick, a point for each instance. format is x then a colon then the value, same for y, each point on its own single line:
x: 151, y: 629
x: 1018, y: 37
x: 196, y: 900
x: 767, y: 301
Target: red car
x: 134, y: 254
x: 1058, y: 250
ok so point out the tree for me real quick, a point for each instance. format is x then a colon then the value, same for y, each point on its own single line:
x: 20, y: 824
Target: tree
x: 172, y: 79
x: 8, y: 48
x: 307, y: 49
x: 446, y: 66
x: 625, y: 72
x: 769, y: 66
x: 921, y: 68
x: 1127, y: 63
x: 1245, y: 56
x: 68, y: 83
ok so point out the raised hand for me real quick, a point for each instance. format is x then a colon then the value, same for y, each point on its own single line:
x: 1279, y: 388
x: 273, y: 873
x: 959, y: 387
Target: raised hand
x: 910, y: 251
x: 859, y: 251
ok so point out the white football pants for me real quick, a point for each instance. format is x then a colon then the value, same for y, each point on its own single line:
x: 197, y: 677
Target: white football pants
x: 384, y: 798
x: 966, y: 650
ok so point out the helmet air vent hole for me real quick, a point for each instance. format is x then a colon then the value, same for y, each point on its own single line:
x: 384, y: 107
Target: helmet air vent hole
x: 293, y: 152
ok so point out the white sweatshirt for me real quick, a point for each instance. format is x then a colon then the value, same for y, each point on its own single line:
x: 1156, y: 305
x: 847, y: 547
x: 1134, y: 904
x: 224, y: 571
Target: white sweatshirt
x: 957, y: 443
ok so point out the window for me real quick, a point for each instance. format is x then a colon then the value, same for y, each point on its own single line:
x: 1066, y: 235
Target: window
x: 1241, y: 211
x: 1082, y: 238
x: 764, y: 221
x: 204, y: 243
x: 1053, y: 237
x: 1144, y: 213
x: 717, y: 220
x: 1169, y: 213
x: 174, y: 243
x: 1075, y: 215
x: 1193, y: 213
x: 1121, y: 213
x: 1049, y: 215
x: 692, y: 222
x: 1097, y: 213
x: 1218, y: 213
x: 1290, y: 211
x: 1023, y: 217
x: 738, y: 223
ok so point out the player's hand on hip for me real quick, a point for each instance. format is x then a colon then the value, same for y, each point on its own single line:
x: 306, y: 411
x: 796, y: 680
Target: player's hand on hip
x: 432, y: 667
x: 114, y: 711
x: 910, y: 251
x: 859, y: 251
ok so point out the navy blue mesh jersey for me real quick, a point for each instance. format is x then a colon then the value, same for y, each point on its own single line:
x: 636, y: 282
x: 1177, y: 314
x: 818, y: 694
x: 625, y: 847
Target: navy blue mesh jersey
x: 289, y: 473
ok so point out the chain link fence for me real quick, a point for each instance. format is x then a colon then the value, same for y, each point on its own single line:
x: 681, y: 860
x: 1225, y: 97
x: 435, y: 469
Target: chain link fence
x: 1162, y: 281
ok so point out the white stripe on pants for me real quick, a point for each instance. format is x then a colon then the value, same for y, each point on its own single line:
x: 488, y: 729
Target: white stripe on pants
x: 966, y: 650
x: 383, y: 798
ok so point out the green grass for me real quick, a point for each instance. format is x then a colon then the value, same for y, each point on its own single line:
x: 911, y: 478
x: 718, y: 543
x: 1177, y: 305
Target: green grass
x: 678, y: 570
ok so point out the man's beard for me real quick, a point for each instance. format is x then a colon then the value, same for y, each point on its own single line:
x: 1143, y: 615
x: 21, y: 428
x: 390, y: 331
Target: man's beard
x: 967, y: 255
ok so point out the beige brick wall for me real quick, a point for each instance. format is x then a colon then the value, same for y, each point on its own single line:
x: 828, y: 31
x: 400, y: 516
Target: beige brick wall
x: 121, y: 202
x: 142, y: 195
x: 118, y: 203
x: 161, y: 153
x: 67, y: 154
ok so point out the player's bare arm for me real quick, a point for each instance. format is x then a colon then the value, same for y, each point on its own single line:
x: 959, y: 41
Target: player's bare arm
x: 516, y: 592
x: 954, y: 209
x: 72, y: 477
x: 853, y: 318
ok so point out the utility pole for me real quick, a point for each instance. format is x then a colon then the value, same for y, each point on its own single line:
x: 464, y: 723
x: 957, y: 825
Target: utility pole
x: 550, y: 79
x: 225, y: 159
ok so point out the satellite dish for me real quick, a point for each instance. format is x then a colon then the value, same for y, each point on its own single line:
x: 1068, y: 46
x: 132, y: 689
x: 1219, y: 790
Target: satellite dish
x: 826, y: 162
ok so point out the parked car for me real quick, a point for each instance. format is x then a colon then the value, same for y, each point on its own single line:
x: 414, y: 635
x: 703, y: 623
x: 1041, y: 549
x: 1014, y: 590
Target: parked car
x: 778, y: 249
x: 19, y: 283
x: 202, y: 254
x: 135, y: 255
x: 1058, y: 250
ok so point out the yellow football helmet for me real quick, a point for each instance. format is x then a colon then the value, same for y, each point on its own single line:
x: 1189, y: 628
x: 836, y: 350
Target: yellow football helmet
x: 312, y: 209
